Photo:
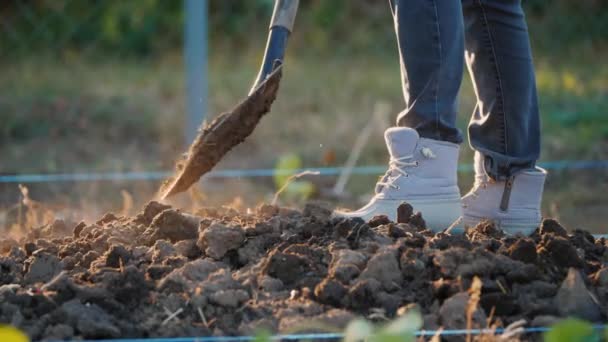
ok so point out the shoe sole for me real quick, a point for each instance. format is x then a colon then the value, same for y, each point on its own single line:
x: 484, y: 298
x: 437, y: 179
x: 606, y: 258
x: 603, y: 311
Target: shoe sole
x: 511, y: 227
x: 438, y: 213
x: 441, y: 214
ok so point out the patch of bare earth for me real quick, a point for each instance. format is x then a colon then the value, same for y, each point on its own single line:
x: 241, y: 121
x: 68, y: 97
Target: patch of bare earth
x: 221, y: 272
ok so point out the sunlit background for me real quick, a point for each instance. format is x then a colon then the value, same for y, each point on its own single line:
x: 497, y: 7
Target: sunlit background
x: 99, y: 87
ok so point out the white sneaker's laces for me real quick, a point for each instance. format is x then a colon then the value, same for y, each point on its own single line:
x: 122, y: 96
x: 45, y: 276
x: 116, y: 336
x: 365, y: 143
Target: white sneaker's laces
x: 396, y: 169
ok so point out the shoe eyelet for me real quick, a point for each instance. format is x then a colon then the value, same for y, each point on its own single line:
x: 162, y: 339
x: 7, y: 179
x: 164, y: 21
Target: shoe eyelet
x: 417, y: 163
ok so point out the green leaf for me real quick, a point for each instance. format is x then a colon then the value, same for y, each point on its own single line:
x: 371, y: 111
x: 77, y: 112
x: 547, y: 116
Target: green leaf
x: 384, y: 336
x: 358, y: 330
x: 572, y: 330
x: 405, y: 324
x: 262, y: 335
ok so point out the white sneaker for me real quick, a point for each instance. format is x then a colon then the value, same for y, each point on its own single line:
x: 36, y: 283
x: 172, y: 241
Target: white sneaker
x: 422, y: 172
x: 513, y: 205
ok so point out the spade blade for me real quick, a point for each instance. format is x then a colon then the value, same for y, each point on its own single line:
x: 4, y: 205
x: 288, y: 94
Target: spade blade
x: 221, y: 135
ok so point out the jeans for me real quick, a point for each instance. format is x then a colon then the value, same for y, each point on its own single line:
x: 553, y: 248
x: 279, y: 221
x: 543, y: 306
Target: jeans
x: 434, y: 42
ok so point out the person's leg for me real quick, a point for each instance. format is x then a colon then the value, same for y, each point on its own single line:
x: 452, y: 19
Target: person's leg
x: 505, y: 126
x: 424, y: 149
x: 430, y: 37
x: 504, y: 129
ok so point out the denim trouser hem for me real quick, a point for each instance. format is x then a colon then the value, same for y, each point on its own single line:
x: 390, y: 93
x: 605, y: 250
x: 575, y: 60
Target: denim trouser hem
x: 492, y: 38
x: 500, y: 167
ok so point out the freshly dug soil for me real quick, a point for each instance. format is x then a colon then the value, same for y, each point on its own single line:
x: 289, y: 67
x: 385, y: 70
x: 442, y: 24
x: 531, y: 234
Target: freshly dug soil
x: 220, y: 272
x: 225, y: 132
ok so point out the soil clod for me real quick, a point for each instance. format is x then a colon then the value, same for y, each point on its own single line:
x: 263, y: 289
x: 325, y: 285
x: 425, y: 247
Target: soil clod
x: 221, y: 272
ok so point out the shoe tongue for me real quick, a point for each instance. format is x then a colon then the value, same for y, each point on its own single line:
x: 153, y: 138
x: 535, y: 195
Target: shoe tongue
x: 401, y: 141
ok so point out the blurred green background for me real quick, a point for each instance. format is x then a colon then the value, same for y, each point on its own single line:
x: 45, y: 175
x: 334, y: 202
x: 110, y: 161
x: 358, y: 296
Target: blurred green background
x: 99, y: 86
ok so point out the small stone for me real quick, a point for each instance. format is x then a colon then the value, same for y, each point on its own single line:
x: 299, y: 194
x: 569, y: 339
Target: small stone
x: 573, y: 298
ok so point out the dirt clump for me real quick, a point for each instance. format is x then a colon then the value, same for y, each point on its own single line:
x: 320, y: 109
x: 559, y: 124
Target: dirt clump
x: 218, y: 239
x: 41, y: 267
x: 574, y: 299
x: 171, y: 225
x: 221, y: 272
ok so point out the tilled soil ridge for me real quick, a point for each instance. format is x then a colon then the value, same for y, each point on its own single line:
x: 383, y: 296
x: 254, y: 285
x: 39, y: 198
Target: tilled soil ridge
x: 221, y: 272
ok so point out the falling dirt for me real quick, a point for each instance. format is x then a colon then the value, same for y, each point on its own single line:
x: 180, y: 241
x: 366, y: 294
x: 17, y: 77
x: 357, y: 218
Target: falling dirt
x: 220, y: 272
x: 225, y: 132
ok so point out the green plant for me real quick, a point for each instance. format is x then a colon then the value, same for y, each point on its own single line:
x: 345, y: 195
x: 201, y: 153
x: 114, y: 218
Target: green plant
x: 401, y: 329
x: 572, y: 330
